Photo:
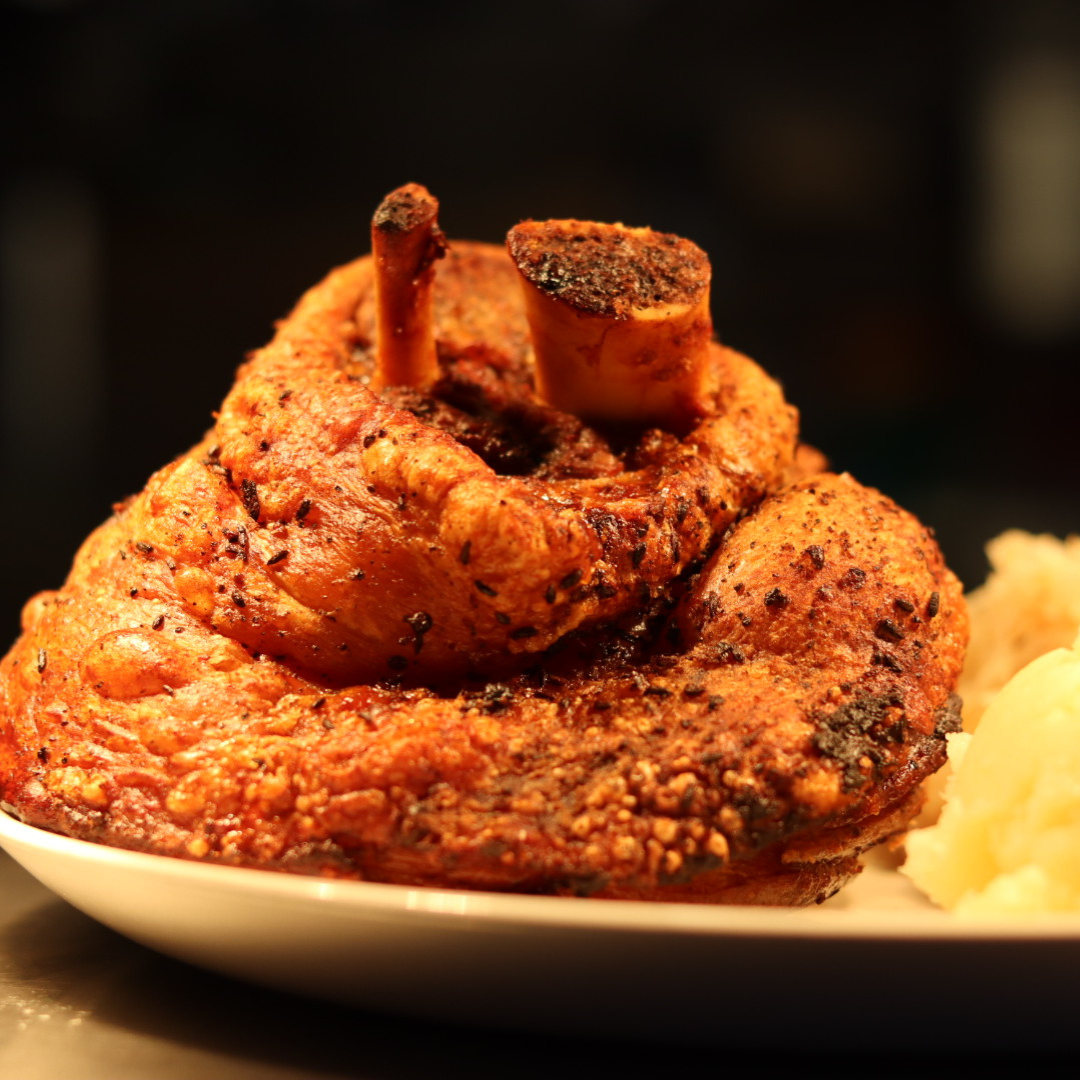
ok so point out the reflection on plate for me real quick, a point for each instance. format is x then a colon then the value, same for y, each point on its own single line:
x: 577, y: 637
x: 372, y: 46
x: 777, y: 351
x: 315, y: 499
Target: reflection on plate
x: 841, y: 974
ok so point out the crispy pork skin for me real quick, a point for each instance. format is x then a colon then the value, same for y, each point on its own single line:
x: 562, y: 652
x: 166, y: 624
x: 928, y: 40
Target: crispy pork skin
x: 401, y: 616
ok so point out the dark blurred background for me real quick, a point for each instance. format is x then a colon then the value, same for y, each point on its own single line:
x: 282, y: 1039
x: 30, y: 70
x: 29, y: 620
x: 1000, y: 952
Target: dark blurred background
x: 890, y: 194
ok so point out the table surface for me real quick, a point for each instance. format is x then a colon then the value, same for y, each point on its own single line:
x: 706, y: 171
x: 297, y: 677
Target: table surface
x: 79, y: 1002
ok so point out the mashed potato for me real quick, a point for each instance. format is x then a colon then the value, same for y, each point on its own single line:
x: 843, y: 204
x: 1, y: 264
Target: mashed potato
x: 1008, y: 839
x: 1029, y: 605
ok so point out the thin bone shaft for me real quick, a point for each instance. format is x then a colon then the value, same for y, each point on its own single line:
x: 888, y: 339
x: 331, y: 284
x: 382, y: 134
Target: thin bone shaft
x: 406, y: 241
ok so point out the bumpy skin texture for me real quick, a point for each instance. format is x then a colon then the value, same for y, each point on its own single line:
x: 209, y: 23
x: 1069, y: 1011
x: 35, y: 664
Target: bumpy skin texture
x: 333, y: 639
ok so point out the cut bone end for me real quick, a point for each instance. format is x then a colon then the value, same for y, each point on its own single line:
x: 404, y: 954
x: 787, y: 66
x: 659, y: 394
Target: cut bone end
x: 619, y: 319
x: 406, y: 241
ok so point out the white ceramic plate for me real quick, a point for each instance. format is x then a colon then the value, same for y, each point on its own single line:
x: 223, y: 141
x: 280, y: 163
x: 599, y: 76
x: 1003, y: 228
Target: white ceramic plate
x: 835, y: 973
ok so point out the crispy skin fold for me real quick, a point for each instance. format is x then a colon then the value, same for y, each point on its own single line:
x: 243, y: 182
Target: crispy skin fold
x: 455, y: 637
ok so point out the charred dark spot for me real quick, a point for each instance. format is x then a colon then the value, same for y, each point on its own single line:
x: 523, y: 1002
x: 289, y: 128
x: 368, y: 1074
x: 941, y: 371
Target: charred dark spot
x: 858, y: 731
x: 816, y: 554
x: 275, y: 559
x: 487, y: 590
x: 249, y: 496
x: 420, y: 622
x: 728, y: 652
x: 853, y: 579
x: 947, y: 719
x: 523, y: 632
x: 885, y: 660
x: 887, y: 630
x: 465, y: 554
x: 775, y: 598
x: 571, y: 579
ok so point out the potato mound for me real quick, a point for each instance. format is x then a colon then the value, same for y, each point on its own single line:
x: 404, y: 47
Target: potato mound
x: 1008, y: 839
x: 1029, y: 605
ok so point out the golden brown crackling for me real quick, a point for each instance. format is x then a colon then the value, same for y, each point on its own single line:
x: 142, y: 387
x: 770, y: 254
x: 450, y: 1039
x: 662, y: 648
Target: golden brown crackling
x: 210, y: 681
x: 621, y: 767
x: 398, y: 500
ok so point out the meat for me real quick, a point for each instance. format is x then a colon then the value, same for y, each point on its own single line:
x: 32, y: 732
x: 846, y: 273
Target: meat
x: 400, y: 616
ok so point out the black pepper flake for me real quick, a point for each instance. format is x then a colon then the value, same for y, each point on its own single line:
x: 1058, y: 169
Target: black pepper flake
x: 682, y: 508
x: 904, y: 605
x: 133, y: 593
x: 249, y: 496
x: 275, y: 559
x: 605, y: 590
x: 637, y: 555
x: 854, y: 578
x: 571, y: 579
x: 420, y: 622
x: 657, y: 691
x: 745, y: 619
x: 238, y: 600
x: 466, y: 553
x: 496, y: 697
x: 358, y: 576
x: 158, y: 623
x: 397, y: 663
x: 284, y: 396
x: 887, y: 630
x: 523, y: 632
x: 318, y: 704
x: 693, y: 691
x: 369, y: 441
x: 502, y: 618
x: 42, y: 660
x: 886, y: 661
x: 817, y: 555
x: 303, y: 510
x: 487, y: 590
x: 775, y: 598
x: 549, y: 594
x: 728, y: 652
x: 43, y: 754
x: 144, y: 547
x: 933, y: 606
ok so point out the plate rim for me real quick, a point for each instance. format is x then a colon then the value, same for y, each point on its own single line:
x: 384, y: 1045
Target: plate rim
x: 546, y: 912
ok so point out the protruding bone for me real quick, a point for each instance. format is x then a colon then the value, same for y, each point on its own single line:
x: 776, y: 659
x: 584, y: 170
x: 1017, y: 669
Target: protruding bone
x: 619, y: 320
x: 406, y: 241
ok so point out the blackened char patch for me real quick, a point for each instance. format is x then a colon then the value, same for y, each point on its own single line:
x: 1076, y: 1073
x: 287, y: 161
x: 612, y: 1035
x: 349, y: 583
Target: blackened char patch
x: 947, y: 719
x: 859, y: 730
